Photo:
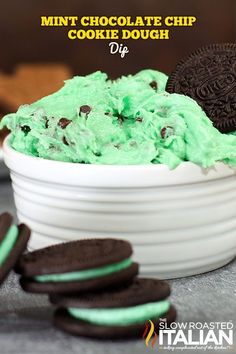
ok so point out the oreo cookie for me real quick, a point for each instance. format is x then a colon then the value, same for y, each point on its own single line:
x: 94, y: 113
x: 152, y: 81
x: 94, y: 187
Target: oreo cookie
x: 208, y: 76
x: 13, y: 242
x: 77, y: 266
x: 116, y: 312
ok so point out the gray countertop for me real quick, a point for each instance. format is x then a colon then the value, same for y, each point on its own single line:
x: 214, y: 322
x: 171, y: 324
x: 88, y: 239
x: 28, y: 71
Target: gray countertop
x: 25, y: 320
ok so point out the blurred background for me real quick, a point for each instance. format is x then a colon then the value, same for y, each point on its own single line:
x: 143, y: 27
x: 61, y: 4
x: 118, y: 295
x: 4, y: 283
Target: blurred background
x: 24, y: 41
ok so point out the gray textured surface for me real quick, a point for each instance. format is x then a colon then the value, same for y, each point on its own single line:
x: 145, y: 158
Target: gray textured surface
x: 25, y: 320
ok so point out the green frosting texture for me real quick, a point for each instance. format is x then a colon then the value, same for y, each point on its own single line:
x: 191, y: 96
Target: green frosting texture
x: 85, y: 274
x: 121, y: 316
x: 131, y: 121
x: 8, y: 243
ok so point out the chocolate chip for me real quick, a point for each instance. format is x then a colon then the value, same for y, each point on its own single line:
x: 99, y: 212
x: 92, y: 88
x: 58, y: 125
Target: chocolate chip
x: 133, y: 143
x: 85, y: 109
x: 120, y: 118
x: 163, y: 132
x: 139, y: 119
x: 46, y: 123
x: 154, y: 85
x: 26, y: 129
x: 63, y: 122
x: 117, y: 146
x: 97, y: 154
x: 166, y: 131
x: 65, y: 141
x: 108, y: 114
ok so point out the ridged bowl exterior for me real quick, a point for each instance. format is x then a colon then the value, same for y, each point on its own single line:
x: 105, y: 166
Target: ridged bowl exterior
x: 180, y: 222
x: 4, y: 172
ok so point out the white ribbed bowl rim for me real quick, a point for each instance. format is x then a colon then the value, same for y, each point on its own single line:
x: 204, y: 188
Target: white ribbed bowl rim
x: 110, y: 176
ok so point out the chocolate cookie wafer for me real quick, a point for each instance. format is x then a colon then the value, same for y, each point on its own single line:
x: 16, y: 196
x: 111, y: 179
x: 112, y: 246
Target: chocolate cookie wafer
x: 115, y: 312
x: 13, y: 242
x: 77, y: 266
x: 208, y: 75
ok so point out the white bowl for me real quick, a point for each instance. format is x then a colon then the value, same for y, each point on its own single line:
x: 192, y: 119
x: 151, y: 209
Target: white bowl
x: 180, y: 222
x: 3, y: 169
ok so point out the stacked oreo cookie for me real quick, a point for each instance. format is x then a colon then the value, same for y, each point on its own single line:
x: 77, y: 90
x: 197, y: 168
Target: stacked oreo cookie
x: 13, y: 242
x: 77, y: 266
x: 95, y: 287
x: 92, y: 282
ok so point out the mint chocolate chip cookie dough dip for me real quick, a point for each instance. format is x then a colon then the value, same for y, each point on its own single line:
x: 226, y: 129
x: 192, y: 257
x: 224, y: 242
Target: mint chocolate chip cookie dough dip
x: 129, y: 121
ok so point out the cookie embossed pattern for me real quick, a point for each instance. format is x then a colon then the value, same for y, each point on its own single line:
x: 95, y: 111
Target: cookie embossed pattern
x: 209, y: 76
